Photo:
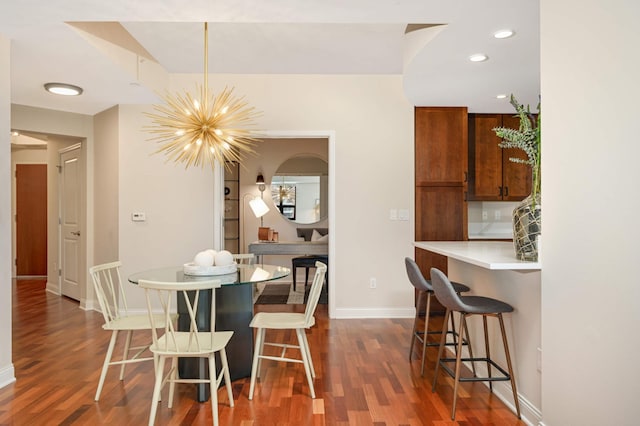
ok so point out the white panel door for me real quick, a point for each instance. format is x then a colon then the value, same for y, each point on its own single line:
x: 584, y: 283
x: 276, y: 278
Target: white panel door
x: 70, y: 215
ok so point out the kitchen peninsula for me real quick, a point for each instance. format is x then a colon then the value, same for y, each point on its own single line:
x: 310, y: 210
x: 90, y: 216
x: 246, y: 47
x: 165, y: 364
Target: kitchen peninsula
x: 491, y: 269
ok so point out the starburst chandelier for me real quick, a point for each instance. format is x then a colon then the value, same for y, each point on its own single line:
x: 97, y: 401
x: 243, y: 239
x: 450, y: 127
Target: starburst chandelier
x: 204, y: 129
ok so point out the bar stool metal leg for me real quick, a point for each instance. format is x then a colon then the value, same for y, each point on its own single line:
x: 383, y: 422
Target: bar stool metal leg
x: 427, y: 314
x: 509, y: 366
x: 487, y: 350
x: 415, y: 325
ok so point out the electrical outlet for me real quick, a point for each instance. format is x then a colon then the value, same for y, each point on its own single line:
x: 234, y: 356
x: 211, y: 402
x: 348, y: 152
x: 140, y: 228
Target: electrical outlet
x: 372, y: 283
x: 497, y: 214
x: 485, y: 215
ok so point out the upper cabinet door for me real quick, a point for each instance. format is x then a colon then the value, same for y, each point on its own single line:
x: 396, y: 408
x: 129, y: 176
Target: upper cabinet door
x: 516, y: 177
x: 441, y: 146
x: 492, y: 176
x: 485, y: 158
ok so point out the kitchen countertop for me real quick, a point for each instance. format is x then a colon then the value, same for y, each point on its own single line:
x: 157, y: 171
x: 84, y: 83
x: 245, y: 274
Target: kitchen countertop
x: 495, y: 255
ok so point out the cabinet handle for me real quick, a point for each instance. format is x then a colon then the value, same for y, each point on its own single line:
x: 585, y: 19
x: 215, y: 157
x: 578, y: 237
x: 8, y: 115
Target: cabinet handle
x: 500, y: 191
x: 506, y: 191
x: 466, y: 176
x: 465, y: 196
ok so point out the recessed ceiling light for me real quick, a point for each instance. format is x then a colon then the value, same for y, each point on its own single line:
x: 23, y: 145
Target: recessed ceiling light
x: 503, y: 33
x: 501, y: 96
x: 478, y: 57
x: 63, y: 89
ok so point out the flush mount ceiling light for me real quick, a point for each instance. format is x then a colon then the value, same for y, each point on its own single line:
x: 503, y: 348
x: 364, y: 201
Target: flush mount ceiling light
x: 204, y: 129
x: 501, y: 96
x: 63, y: 89
x: 503, y: 33
x: 478, y: 57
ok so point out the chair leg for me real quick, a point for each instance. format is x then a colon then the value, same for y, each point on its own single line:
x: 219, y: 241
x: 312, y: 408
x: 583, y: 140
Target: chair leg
x: 125, y: 354
x: 487, y: 350
x: 156, y: 391
x: 509, y: 366
x: 256, y: 356
x: 306, y: 276
x: 469, y: 347
x: 308, y: 350
x: 227, y: 377
x: 213, y: 389
x: 262, y: 341
x: 415, y: 325
x: 457, y: 372
x: 305, y: 360
x: 427, y: 313
x: 295, y: 282
x: 443, y: 338
x: 107, y: 361
x: 173, y: 376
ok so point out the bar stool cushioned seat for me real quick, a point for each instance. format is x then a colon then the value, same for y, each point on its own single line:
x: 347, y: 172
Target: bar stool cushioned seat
x: 307, y: 262
x: 467, y: 306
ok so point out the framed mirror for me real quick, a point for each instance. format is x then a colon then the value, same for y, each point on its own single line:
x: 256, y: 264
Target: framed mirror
x: 299, y: 189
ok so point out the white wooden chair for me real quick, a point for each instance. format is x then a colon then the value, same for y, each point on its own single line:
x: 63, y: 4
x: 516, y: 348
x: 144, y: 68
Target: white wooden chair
x: 184, y: 344
x: 107, y: 284
x: 244, y: 258
x: 293, y: 321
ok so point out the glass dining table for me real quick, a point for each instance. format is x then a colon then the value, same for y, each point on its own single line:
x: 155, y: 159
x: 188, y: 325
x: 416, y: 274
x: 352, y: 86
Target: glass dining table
x: 234, y: 311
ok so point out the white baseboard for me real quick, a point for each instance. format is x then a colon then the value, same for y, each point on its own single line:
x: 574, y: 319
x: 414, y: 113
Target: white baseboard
x: 529, y: 413
x: 7, y: 376
x: 53, y: 288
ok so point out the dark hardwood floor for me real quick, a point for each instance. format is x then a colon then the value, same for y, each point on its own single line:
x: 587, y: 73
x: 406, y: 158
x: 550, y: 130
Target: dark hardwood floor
x: 363, y: 377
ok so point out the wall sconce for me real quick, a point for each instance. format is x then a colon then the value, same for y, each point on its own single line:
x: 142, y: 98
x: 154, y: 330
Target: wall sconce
x: 261, y: 184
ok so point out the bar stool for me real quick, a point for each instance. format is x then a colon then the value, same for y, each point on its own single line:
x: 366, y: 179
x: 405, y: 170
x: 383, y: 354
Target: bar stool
x: 467, y: 306
x: 425, y: 290
x: 307, y: 262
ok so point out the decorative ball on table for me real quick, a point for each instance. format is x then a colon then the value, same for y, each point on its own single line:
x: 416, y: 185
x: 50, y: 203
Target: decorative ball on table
x: 205, y: 258
x: 223, y: 258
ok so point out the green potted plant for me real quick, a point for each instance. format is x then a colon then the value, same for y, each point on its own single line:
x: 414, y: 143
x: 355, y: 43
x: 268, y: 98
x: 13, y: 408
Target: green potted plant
x: 526, y: 216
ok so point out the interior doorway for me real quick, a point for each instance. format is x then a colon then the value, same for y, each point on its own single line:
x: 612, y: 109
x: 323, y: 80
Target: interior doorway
x: 31, y: 220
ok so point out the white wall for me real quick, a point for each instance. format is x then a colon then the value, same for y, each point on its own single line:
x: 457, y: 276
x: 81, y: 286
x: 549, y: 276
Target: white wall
x: 7, y: 374
x: 106, y: 173
x: 178, y: 204
x: 590, y: 174
x: 373, y: 124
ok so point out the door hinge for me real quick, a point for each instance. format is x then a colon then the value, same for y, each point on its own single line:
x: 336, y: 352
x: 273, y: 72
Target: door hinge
x: 59, y: 169
x: 15, y: 261
x: 59, y: 272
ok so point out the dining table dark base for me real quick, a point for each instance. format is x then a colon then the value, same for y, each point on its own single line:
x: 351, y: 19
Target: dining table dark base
x: 234, y: 311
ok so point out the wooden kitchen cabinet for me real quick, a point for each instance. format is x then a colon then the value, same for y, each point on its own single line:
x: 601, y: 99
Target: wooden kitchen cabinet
x: 441, y: 155
x: 492, y: 176
x: 441, y: 146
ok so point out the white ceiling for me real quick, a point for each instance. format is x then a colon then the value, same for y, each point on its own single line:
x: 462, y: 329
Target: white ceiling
x: 276, y: 37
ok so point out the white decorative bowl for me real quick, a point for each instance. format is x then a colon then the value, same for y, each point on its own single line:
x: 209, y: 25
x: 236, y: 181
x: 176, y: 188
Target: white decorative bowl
x: 193, y: 269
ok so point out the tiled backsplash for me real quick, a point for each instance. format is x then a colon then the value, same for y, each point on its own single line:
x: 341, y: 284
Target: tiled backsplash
x: 491, y: 219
